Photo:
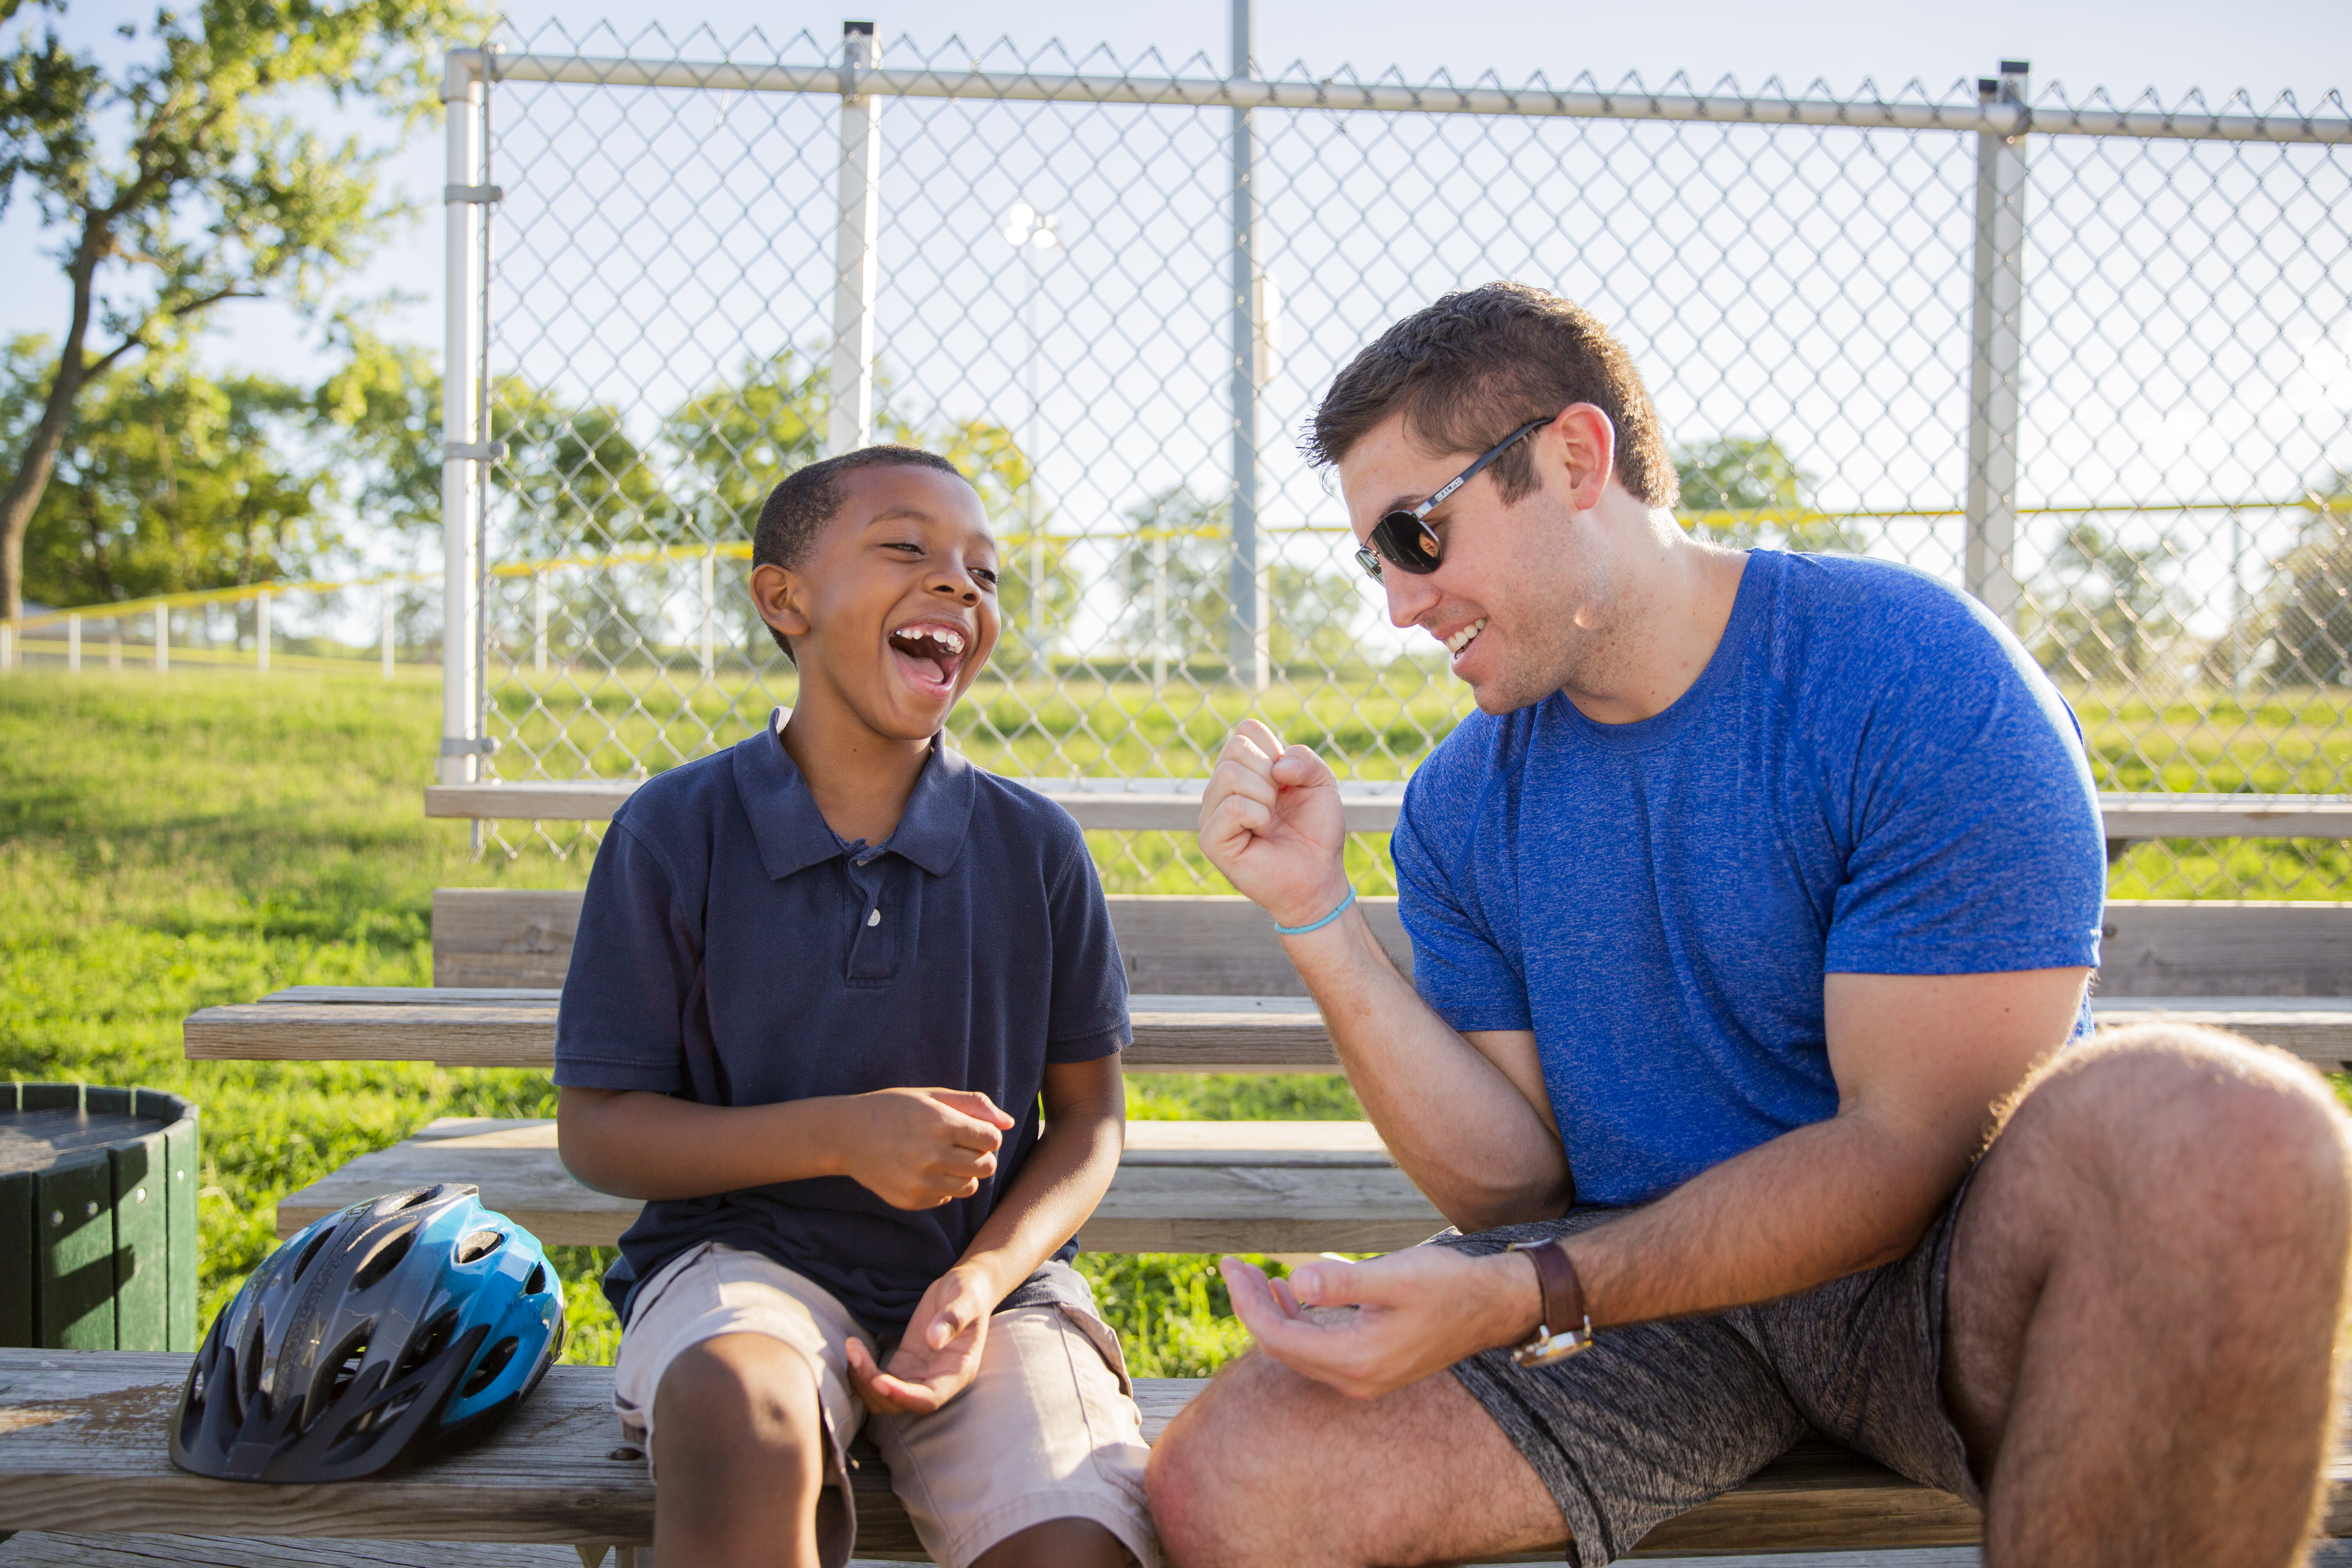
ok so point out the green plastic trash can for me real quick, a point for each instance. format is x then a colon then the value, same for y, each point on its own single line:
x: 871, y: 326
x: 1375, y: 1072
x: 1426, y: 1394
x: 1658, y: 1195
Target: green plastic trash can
x: 98, y: 1218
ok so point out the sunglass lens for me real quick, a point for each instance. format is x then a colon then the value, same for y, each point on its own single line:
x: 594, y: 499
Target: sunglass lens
x: 1403, y: 538
x: 1370, y: 561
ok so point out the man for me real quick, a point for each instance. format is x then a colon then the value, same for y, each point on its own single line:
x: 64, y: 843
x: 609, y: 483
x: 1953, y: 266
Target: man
x: 1751, y: 922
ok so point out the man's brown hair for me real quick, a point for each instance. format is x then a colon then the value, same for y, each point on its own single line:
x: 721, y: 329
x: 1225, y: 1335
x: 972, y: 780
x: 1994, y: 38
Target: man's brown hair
x: 1476, y: 365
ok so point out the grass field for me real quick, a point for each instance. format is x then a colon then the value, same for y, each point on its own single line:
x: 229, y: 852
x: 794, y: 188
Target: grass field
x: 167, y: 845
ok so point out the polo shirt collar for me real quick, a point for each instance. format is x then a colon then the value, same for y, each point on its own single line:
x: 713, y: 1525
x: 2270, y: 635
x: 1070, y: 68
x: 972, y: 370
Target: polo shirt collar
x: 791, y: 832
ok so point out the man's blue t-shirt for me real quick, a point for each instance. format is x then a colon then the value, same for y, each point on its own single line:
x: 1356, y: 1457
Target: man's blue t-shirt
x: 1870, y: 777
x: 734, y: 951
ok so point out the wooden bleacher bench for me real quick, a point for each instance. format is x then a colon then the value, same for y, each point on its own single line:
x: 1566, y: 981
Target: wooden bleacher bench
x: 80, y: 1436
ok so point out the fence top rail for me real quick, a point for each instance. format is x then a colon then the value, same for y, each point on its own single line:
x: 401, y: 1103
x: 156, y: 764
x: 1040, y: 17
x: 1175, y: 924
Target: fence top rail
x: 2193, y: 120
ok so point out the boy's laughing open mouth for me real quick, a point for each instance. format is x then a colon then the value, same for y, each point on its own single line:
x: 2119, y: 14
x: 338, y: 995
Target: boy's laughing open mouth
x: 929, y: 652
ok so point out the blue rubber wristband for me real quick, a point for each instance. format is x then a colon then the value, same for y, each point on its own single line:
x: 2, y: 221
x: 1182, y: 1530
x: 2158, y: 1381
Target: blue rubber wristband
x: 1327, y: 920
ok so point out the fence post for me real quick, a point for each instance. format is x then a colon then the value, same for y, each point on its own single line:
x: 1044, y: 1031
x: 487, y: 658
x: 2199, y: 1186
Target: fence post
x: 463, y: 440
x: 391, y: 606
x: 1159, y: 610
x: 261, y: 632
x: 539, y: 623
x: 849, y: 418
x: 1996, y: 331
x: 7, y: 647
x: 1245, y: 658
x: 710, y: 611
x: 73, y: 644
x: 162, y: 639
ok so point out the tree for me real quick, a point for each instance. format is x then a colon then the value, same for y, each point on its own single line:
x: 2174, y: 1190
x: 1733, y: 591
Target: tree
x: 735, y: 442
x: 171, y: 187
x: 169, y: 481
x: 2115, y: 612
x: 1743, y: 493
x: 2311, y: 629
x: 1176, y: 563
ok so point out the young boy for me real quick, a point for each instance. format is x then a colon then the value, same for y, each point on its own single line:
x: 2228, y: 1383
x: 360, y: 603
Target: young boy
x: 821, y: 981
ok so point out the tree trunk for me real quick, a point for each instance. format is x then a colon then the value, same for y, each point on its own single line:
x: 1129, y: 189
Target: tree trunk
x: 39, y: 457
x: 33, y: 469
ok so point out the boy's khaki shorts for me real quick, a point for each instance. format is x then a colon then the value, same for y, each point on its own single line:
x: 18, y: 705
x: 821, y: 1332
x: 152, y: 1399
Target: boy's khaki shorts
x: 1046, y: 1430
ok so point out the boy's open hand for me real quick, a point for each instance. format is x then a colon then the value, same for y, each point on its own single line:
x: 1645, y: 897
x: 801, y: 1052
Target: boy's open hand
x: 919, y: 1148
x: 1271, y: 821
x: 938, y: 1356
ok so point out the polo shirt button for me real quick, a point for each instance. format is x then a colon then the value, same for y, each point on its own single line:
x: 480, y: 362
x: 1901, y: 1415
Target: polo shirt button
x: 875, y: 918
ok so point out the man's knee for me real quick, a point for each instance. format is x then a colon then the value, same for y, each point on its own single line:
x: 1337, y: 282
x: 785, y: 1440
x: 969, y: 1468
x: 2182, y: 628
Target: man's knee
x: 739, y: 1399
x: 1222, y: 1449
x: 2182, y: 1124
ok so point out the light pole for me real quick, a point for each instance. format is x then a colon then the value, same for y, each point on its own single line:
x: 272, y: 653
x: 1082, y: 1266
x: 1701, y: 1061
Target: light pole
x: 1036, y: 237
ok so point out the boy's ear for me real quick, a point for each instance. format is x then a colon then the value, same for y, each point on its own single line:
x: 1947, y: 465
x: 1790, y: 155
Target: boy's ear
x: 778, y: 594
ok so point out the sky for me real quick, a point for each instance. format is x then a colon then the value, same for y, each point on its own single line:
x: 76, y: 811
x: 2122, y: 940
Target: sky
x: 2174, y: 46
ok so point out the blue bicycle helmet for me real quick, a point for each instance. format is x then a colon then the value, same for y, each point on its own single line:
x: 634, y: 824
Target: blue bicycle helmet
x: 400, y: 1328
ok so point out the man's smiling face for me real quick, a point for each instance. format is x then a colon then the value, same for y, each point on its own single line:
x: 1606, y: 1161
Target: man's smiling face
x: 1511, y: 600
x: 893, y: 611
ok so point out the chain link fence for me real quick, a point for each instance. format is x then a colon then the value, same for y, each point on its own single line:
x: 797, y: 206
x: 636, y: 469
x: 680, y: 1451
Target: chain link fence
x: 2092, y: 360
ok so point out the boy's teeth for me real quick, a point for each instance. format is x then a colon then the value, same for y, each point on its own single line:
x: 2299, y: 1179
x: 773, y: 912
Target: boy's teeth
x: 1461, y: 639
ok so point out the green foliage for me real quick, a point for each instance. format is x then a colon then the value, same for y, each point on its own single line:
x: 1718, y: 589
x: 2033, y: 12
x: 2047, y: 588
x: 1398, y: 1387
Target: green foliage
x: 2311, y: 624
x: 735, y: 442
x: 1744, y: 492
x: 173, y: 181
x: 2111, y: 608
x: 170, y: 481
x: 1175, y: 569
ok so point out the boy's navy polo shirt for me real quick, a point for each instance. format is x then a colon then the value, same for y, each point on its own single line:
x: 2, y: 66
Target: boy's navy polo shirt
x: 734, y: 951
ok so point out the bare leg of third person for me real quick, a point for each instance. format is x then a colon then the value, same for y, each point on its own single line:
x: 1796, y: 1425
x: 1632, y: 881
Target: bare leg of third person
x: 2147, y: 1282
x: 1267, y: 1467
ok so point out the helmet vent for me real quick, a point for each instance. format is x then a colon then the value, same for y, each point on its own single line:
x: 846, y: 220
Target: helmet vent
x: 326, y: 1233
x: 384, y: 1258
x: 346, y: 1362
x: 421, y: 1195
x: 479, y: 1244
x: 537, y: 1279
x: 249, y: 1364
x: 430, y: 1342
x: 486, y: 1370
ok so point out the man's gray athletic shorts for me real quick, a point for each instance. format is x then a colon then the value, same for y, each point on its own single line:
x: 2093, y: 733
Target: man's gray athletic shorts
x: 1656, y: 1418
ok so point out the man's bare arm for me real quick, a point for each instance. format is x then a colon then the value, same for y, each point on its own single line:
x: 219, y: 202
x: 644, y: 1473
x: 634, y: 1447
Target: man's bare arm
x: 1921, y: 1062
x: 1466, y: 1116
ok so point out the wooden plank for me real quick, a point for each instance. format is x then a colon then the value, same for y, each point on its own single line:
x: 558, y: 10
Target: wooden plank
x: 1203, y: 945
x: 2208, y: 947
x: 1210, y: 946
x: 1173, y: 1034
x: 1177, y: 810
x: 1183, y: 1187
x: 2316, y: 1028
x: 44, y: 1549
x: 2155, y: 815
x: 503, y: 936
x: 82, y: 1449
x: 595, y: 800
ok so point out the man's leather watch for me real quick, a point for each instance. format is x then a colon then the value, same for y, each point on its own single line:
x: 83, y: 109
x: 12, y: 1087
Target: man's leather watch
x: 1565, y: 1329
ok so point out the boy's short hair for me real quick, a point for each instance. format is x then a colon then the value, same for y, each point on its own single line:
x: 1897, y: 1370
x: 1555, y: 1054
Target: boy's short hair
x: 1470, y: 369
x: 809, y: 497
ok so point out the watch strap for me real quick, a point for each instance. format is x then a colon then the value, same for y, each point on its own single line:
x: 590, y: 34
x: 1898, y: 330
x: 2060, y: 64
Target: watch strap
x: 1563, y: 1292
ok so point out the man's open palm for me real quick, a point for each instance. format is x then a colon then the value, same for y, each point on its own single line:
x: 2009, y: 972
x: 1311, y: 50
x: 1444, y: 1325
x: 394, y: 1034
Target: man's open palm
x: 1271, y: 822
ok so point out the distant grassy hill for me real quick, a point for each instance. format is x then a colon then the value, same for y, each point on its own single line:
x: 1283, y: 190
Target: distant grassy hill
x: 169, y: 844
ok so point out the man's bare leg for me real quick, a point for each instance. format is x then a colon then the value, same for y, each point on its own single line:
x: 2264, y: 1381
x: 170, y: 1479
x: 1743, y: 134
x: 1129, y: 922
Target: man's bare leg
x: 1269, y: 1466
x: 2147, y: 1282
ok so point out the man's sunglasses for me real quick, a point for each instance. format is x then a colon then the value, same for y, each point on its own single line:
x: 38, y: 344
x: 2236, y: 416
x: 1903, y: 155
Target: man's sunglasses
x: 1404, y: 539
